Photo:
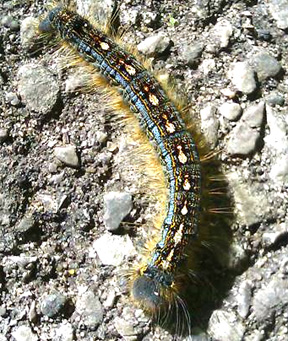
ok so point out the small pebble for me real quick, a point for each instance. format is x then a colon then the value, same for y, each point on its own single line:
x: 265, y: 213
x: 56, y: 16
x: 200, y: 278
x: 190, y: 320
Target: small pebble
x: 24, y: 333
x: 155, y: 45
x: 265, y: 65
x: 191, y: 53
x: 124, y: 328
x: 224, y: 325
x: 68, y: 155
x: 117, y: 205
x: 29, y: 33
x: 65, y: 332
x: 223, y: 31
x: 10, y: 22
x: 210, y: 124
x: 254, y: 115
x: 242, y: 77
x: 279, y: 231
x: 112, y: 250
x: 12, y: 98
x: 230, y: 110
x: 89, y: 308
x: 25, y: 225
x: 53, y: 304
x: 3, y: 135
x: 275, y: 98
x: 252, y: 206
x: 101, y: 11
x: 3, y: 311
x: 207, y: 66
x: 270, y: 298
x: 279, y: 11
x: 37, y: 87
x: 244, y: 298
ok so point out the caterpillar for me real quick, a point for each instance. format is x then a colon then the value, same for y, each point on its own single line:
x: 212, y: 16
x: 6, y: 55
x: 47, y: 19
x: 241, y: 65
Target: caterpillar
x: 154, y: 284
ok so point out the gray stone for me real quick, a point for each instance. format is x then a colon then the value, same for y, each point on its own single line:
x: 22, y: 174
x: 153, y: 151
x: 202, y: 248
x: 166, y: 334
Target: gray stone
x: 25, y: 225
x: 230, y: 110
x: 242, y: 76
x: 90, y: 310
x: 101, y: 136
x: 251, y: 205
x: 124, y: 328
x: 223, y: 31
x: 224, y: 326
x: 47, y: 201
x: 3, y: 135
x: 117, y: 205
x: 265, y: 65
x: 254, y: 115
x: 64, y: 332
x: 112, y: 250
x: 10, y: 22
x: 24, y: 333
x: 207, y: 66
x: 3, y: 337
x: 279, y: 170
x: 110, y: 300
x: 12, y: 98
x: 270, y: 299
x: 154, y: 45
x: 210, y: 124
x: 243, y: 140
x: 53, y: 304
x: 99, y: 10
x: 279, y: 11
x: 37, y: 87
x: 244, y: 298
x: 277, y: 142
x: 237, y: 256
x: 3, y: 311
x: 68, y: 155
x: 32, y: 314
x: 192, y: 52
x: 275, y: 98
x: 29, y: 32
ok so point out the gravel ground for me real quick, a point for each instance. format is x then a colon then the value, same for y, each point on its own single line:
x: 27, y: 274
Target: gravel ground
x: 70, y: 199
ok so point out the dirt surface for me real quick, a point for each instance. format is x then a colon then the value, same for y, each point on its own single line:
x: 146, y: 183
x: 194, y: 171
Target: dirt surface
x: 67, y: 178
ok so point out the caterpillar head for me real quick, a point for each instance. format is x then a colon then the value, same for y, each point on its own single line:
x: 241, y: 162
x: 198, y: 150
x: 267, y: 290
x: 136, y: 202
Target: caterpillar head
x: 46, y: 25
x: 154, y: 290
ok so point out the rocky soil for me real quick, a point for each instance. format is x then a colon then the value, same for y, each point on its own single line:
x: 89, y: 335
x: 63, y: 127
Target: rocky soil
x: 71, y: 206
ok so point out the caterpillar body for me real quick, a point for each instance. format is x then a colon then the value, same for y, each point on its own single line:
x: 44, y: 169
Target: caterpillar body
x: 154, y: 284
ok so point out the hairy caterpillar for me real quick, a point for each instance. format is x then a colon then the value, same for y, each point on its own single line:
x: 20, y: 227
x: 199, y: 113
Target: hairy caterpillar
x: 155, y: 282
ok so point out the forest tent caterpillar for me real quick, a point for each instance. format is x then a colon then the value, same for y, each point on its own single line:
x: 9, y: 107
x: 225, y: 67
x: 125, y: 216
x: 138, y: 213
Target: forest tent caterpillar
x: 155, y: 282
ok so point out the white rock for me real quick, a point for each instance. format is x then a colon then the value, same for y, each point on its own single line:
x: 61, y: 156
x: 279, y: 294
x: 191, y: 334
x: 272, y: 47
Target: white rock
x: 210, y: 124
x: 154, y: 45
x: 223, y: 31
x: 113, y: 249
x: 242, y: 76
x: 230, y: 110
x: 224, y: 326
x: 24, y: 333
x: 67, y: 154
